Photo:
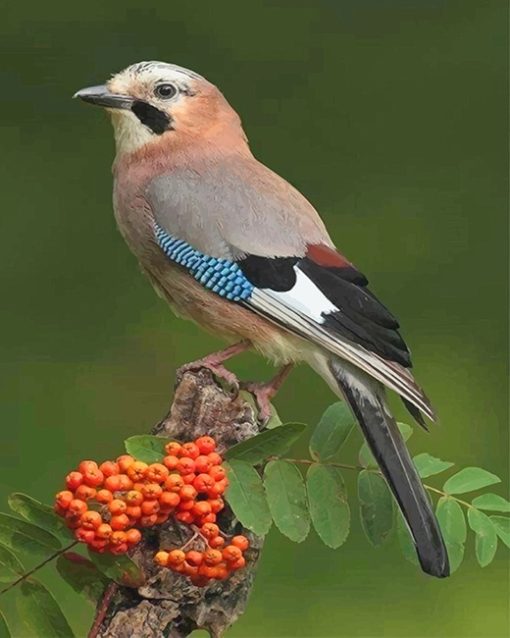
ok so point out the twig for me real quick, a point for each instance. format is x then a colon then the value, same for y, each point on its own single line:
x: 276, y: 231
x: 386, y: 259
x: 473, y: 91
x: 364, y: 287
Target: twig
x: 107, y: 598
x: 37, y: 567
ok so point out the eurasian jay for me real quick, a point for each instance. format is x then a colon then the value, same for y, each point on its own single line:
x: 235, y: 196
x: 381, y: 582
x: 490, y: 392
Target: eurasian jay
x: 237, y: 249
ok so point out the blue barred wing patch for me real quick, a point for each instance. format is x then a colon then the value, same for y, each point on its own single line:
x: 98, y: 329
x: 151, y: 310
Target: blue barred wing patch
x: 222, y: 276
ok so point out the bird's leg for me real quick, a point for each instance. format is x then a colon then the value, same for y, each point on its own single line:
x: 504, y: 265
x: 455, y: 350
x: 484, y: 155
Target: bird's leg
x: 264, y: 392
x: 214, y: 363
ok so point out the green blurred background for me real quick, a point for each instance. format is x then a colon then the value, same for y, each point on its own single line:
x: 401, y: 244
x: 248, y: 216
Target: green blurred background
x: 391, y: 117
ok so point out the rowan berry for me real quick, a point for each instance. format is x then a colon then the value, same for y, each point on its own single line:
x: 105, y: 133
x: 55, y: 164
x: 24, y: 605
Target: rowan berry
x: 218, y: 488
x: 152, y: 491
x: 212, y: 557
x: 202, y: 464
x: 209, y: 530
x: 231, y: 553
x: 125, y: 482
x: 238, y: 564
x: 133, y: 497
x: 64, y: 498
x: 93, y: 477
x: 112, y: 483
x: 208, y: 518
x: 104, y: 497
x: 119, y: 549
x: 149, y: 521
x: 216, y: 542
x: 221, y: 572
x: 174, y: 483
x: 150, y: 507
x: 190, y: 450
x: 217, y: 473
x: 119, y: 522
x: 169, y: 499
x: 136, y: 471
x: 118, y: 537
x: 174, y: 448
x: 161, y: 558
x: 74, y: 480
x: 77, y: 507
x: 161, y: 518
x: 189, y: 570
x: 206, y: 444
x: 134, y: 512
x: 194, y: 558
x: 202, y: 508
x: 203, y: 483
x: 189, y: 478
x: 170, y: 462
x: 98, y: 545
x: 186, y: 465
x: 156, y: 473
x: 124, y: 462
x: 86, y: 466
x: 117, y: 507
x: 185, y: 517
x: 91, y: 520
x: 240, y: 541
x: 217, y: 504
x: 186, y: 505
x: 187, y: 492
x: 109, y: 468
x: 215, y: 458
x: 84, y: 535
x: 104, y: 531
x: 176, y: 557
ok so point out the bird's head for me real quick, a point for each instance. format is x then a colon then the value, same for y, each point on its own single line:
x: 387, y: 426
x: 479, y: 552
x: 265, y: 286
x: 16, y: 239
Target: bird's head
x: 155, y: 103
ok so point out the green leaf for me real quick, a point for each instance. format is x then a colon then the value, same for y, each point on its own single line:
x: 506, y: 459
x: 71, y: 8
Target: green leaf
x: 376, y: 507
x: 502, y: 525
x: 491, y: 502
x: 328, y: 504
x: 146, y: 448
x: 486, y: 538
x: 4, y: 629
x: 120, y: 568
x: 246, y: 496
x: 428, y: 465
x: 274, y: 419
x: 82, y: 575
x: 405, y: 540
x: 40, y: 612
x: 268, y: 443
x: 469, y: 479
x: 286, y: 497
x: 366, y: 458
x: 39, y: 514
x: 10, y: 565
x: 331, y: 432
x: 453, y: 526
x: 25, y: 537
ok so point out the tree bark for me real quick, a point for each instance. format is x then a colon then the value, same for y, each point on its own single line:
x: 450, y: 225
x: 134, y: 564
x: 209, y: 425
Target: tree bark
x: 167, y: 604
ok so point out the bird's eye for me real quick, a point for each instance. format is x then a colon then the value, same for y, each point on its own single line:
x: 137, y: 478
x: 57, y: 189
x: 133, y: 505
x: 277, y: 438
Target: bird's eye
x: 165, y: 91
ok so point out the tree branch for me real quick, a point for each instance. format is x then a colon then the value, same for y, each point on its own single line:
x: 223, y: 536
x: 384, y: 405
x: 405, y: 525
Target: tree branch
x: 168, y: 604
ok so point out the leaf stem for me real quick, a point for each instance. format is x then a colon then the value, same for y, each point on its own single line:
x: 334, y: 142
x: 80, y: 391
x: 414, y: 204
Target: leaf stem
x: 360, y: 467
x: 37, y: 567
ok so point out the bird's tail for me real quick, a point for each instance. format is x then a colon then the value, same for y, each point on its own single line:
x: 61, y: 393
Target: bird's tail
x: 367, y: 402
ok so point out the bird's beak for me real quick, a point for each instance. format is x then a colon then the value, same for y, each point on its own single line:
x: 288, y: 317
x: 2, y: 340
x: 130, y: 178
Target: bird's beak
x: 101, y: 96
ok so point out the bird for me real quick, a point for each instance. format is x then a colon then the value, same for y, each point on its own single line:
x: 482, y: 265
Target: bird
x: 234, y: 247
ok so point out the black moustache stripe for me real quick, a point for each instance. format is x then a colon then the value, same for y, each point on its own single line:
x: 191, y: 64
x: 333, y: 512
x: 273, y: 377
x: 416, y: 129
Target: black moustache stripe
x: 153, y: 118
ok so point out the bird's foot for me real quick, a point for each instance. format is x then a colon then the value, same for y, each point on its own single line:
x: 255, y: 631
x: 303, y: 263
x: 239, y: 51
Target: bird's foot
x: 214, y: 363
x: 264, y: 392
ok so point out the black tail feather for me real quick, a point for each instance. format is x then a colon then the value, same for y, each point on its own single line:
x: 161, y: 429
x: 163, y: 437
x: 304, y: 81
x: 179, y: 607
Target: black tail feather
x: 388, y: 447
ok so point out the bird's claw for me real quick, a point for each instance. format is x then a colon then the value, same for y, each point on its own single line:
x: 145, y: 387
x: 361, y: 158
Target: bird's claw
x: 263, y: 393
x: 217, y: 369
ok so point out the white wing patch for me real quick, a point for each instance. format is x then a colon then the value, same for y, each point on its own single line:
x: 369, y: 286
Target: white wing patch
x: 301, y: 310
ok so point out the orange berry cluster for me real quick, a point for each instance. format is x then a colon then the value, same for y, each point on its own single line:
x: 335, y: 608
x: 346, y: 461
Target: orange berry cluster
x: 215, y: 563
x: 106, y: 504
